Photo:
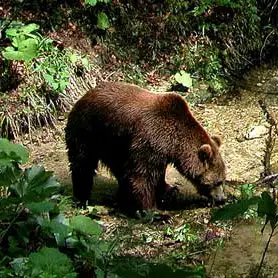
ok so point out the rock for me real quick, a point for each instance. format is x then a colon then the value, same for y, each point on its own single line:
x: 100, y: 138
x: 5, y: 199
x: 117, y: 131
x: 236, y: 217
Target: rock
x: 256, y: 132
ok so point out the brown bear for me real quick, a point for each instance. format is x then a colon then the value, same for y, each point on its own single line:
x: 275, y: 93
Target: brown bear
x: 136, y: 134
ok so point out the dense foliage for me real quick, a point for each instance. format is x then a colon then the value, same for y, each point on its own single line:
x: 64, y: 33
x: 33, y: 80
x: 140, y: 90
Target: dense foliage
x: 40, y: 238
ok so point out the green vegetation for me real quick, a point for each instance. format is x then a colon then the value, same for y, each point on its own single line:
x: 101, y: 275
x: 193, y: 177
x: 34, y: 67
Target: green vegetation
x: 266, y: 207
x: 41, y: 235
x: 46, y: 70
x: 212, y: 41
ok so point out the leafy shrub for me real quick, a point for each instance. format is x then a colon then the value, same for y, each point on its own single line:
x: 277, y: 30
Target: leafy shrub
x: 31, y: 218
x: 102, y: 18
x: 46, y: 70
x: 38, y: 240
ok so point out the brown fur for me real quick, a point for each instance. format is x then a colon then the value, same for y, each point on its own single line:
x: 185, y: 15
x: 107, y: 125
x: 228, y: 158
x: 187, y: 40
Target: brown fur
x: 136, y: 133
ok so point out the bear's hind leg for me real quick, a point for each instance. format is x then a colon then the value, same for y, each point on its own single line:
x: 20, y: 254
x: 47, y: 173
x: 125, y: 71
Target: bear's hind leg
x: 136, y: 194
x: 164, y: 191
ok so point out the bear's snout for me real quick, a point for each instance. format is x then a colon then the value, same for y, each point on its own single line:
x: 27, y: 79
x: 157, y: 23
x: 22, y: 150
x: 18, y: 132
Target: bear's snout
x: 218, y: 195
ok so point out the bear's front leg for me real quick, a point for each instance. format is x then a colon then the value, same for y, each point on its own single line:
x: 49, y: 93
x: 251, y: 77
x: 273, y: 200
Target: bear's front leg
x: 82, y: 174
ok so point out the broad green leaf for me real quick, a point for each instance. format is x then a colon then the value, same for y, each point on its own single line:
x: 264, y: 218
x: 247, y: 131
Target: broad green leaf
x: 266, y: 205
x: 11, y: 54
x: 38, y: 177
x: 102, y: 21
x: 233, y: 210
x: 59, y: 226
x: 183, y: 78
x: 91, y: 2
x: 40, y: 207
x: 14, y: 32
x: 36, y: 184
x: 28, y: 45
x: 51, y: 263
x: 63, y: 85
x: 55, y: 85
x: 9, y: 175
x: 48, y: 78
x: 268, y: 208
x: 27, y: 50
x: 22, y: 30
x: 85, y: 225
x: 30, y: 28
x: 10, y: 152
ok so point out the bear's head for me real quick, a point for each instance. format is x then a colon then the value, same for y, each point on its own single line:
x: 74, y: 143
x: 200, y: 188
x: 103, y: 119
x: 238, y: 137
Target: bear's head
x: 211, y: 174
x: 207, y: 170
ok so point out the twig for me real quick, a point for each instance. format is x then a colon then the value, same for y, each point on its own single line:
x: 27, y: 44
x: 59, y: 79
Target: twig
x: 261, y: 51
x: 11, y: 224
x: 264, y: 253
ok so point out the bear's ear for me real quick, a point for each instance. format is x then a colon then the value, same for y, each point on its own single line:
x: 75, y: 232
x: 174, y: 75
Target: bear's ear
x: 205, y: 152
x: 217, y: 140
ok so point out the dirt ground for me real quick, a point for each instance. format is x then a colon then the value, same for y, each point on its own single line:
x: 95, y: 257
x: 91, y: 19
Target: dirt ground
x: 232, y: 118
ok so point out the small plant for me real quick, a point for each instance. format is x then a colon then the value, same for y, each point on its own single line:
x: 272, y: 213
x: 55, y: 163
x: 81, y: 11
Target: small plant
x: 266, y: 207
x: 247, y: 192
x: 182, y: 233
x: 102, y: 18
x: 24, y: 40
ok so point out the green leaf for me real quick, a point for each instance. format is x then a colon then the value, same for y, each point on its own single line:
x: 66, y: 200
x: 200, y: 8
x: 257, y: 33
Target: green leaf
x: 26, y: 50
x: 183, y: 78
x: 40, y: 207
x: 73, y: 58
x: 10, y: 152
x: 36, y: 184
x: 268, y: 208
x: 136, y: 268
x: 102, y: 21
x: 91, y: 2
x: 266, y: 205
x: 40, y: 179
x: 63, y: 85
x: 48, y: 78
x: 22, y: 30
x: 30, y: 28
x: 51, y: 263
x: 233, y: 210
x: 85, y: 225
x: 19, y: 265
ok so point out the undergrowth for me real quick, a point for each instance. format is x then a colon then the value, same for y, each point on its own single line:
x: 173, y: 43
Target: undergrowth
x: 47, y: 76
x: 41, y: 235
x: 213, y: 41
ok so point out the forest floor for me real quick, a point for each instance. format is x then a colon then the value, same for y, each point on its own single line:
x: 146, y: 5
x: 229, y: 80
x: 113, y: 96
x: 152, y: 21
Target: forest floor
x: 241, y: 123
